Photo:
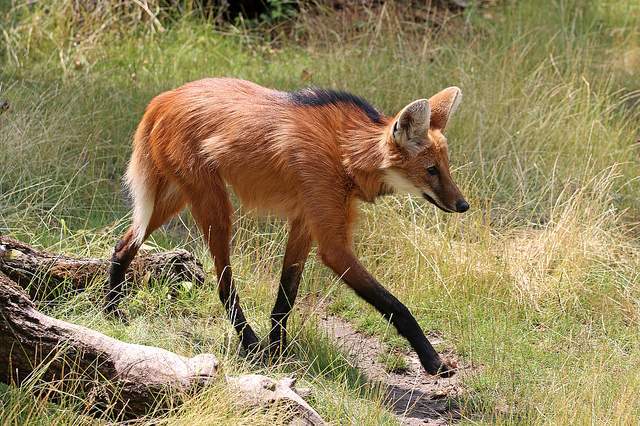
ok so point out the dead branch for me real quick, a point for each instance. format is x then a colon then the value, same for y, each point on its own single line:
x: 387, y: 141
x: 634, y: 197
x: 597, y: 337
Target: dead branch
x: 42, y: 273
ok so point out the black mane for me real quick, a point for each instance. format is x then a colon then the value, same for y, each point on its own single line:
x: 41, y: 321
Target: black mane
x: 314, y: 96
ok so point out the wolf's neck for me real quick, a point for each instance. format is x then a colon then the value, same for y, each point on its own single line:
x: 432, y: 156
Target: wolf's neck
x: 365, y: 156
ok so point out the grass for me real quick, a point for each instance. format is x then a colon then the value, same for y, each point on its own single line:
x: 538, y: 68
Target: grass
x: 393, y: 362
x: 539, y: 284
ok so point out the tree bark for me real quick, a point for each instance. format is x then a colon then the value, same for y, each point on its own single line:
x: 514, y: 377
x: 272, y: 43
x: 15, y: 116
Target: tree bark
x: 128, y: 379
x: 43, y: 273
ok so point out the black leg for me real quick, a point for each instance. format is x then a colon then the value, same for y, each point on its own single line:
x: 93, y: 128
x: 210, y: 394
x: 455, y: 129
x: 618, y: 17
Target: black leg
x: 344, y: 263
x: 123, y: 254
x: 212, y: 211
x: 287, y: 293
x: 229, y: 298
x: 295, y: 256
x: 402, y: 319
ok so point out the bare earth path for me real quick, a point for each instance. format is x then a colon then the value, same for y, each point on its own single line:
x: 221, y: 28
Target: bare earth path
x: 415, y: 397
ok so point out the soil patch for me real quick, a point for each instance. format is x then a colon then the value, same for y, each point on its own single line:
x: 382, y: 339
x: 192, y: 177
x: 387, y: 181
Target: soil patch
x: 414, y: 396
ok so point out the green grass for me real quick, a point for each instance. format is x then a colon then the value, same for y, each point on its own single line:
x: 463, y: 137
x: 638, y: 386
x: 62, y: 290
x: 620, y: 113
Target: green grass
x: 539, y: 284
x: 393, y: 362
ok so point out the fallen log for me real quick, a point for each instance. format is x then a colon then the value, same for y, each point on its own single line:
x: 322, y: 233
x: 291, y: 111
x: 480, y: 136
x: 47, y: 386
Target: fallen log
x: 42, y: 273
x: 117, y: 379
x: 113, y: 378
x: 126, y: 378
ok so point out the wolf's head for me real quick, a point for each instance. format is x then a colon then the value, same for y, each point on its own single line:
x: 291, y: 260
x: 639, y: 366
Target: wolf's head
x: 419, y: 153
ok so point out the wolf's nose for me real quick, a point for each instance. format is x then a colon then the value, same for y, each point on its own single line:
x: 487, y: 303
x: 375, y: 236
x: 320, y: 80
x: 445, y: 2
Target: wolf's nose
x: 462, y: 206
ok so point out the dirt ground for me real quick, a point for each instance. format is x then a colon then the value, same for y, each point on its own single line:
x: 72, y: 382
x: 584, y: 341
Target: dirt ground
x: 414, y: 396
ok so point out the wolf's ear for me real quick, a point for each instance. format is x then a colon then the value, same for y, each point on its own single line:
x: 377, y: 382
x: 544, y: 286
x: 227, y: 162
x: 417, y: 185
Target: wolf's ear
x: 443, y: 104
x: 412, y: 125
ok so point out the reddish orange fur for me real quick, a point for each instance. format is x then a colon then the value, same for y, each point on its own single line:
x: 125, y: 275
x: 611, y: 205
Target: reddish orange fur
x: 305, y: 160
x: 299, y: 162
x: 294, y: 161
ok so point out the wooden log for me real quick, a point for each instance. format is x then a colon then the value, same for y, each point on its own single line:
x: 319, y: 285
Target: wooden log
x: 258, y: 390
x: 42, y: 273
x: 128, y: 379
x: 116, y: 379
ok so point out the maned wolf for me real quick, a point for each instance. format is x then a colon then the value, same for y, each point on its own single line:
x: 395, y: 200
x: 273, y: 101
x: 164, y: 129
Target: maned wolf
x: 308, y: 156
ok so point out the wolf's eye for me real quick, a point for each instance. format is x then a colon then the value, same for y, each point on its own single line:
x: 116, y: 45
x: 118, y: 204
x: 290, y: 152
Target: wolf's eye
x: 433, y: 170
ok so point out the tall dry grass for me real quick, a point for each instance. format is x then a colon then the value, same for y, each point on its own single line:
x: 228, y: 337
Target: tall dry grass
x: 538, y: 284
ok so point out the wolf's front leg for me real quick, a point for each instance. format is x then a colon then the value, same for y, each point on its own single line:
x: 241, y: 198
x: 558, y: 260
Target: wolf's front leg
x: 342, y: 261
